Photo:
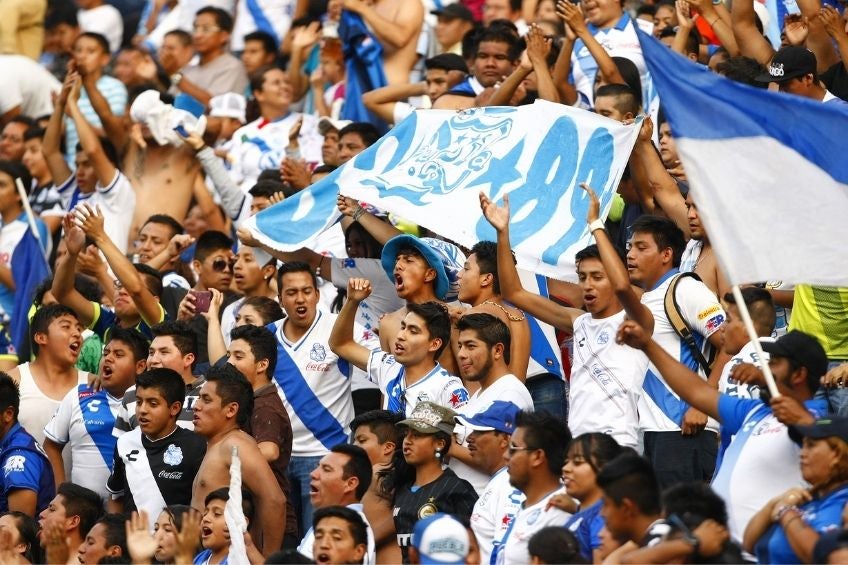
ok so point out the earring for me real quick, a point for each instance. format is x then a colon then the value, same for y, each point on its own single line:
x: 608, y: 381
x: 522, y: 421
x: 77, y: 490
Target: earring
x: 438, y: 454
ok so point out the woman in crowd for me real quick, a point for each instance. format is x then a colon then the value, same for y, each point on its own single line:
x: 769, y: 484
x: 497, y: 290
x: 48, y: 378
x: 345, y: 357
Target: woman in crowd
x: 787, y: 528
x: 22, y: 541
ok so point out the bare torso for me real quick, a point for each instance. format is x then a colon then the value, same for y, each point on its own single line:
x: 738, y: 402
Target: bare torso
x: 214, y: 472
x: 397, y: 62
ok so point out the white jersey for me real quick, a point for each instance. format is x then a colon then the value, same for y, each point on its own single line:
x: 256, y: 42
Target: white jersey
x: 660, y: 409
x: 271, y: 16
x: 105, y: 20
x: 508, y: 388
x: 527, y: 522
x: 305, y: 547
x: 261, y: 145
x: 606, y: 381
x: 545, y: 355
x: 761, y: 462
x: 314, y: 385
x: 116, y: 201
x: 730, y: 387
x: 28, y: 85
x: 85, y: 421
x: 493, y: 513
x: 437, y: 386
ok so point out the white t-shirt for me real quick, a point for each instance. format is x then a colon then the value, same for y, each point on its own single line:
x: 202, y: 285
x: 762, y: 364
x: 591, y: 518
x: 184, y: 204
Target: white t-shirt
x: 105, y: 20
x: 28, y: 85
x: 116, y: 201
x: 747, y: 354
x: 314, y: 385
x: 437, y: 386
x: 493, y: 513
x: 508, y: 388
x: 85, y: 421
x: 606, y: 381
x: 278, y: 13
x: 308, y: 541
x: 527, y: 522
x: 660, y: 409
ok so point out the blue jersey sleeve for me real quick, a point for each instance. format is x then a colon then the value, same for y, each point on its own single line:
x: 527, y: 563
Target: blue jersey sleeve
x: 103, y: 320
x: 732, y: 411
x: 22, y: 469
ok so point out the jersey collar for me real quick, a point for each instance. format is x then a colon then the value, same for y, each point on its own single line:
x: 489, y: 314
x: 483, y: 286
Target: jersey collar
x: 621, y: 25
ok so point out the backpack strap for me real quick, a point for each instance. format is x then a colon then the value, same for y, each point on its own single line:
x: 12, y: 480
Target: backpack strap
x: 675, y: 317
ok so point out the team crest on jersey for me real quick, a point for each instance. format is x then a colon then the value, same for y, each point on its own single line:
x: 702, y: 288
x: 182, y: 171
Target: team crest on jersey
x: 458, y: 397
x: 603, y: 338
x: 173, y: 455
x: 317, y: 353
x: 14, y: 463
x: 427, y: 510
x: 531, y: 519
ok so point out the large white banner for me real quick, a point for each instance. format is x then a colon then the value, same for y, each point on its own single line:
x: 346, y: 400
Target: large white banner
x: 432, y: 166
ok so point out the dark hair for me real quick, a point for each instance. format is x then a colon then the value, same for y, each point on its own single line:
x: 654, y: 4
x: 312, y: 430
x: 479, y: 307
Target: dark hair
x: 185, y: 338
x: 10, y: 396
x: 666, y: 235
x: 223, y: 493
x: 358, y: 529
x: 17, y: 170
x: 85, y: 285
x: 232, y: 386
x: 295, y: 267
x: 486, y: 253
x: 694, y: 502
x: 367, y: 131
x: 490, y: 329
x: 42, y: 319
x: 269, y: 44
x: 373, y: 247
x: 165, y: 220
x: 436, y: 320
x: 28, y: 531
x: 597, y: 449
x: 182, y: 35
x: 322, y: 169
x: 588, y: 252
x: 209, y: 242
x: 34, y: 132
x: 61, y: 13
x: 542, y: 430
x: 265, y: 188
x: 446, y: 62
x: 268, y: 308
x: 631, y: 476
x: 382, y: 424
x: 358, y: 465
x: 262, y: 343
x: 760, y: 305
x: 257, y: 79
x: 177, y: 512
x: 137, y: 343
x: 82, y: 502
x: 223, y: 19
x: 167, y: 382
x: 630, y: 73
x: 115, y: 531
x: 499, y: 33
x: 625, y: 98
x: 287, y: 557
x: 151, y: 277
x: 555, y: 544
x: 98, y: 37
x: 742, y: 69
x: 646, y: 9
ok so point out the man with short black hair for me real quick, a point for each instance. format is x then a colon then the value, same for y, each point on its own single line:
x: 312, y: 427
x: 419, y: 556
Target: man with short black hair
x: 341, y: 535
x: 74, y: 509
x: 260, y: 50
x: 341, y: 478
x: 452, y: 23
x: 106, y: 539
x: 355, y: 138
x: 631, y: 498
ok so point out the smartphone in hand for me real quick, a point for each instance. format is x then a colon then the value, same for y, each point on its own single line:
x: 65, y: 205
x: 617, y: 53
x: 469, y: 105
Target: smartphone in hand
x: 202, y: 300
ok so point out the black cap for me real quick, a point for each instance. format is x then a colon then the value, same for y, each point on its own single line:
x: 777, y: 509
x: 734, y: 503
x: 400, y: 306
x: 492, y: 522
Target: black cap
x: 454, y: 12
x: 802, y: 348
x: 446, y: 61
x: 790, y: 62
x: 822, y: 428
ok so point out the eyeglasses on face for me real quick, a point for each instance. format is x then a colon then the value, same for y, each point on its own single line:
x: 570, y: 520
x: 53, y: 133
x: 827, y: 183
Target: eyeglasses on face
x: 513, y: 448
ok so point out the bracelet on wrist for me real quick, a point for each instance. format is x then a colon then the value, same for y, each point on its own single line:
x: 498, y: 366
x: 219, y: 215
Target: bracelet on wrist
x: 783, y: 510
x: 358, y: 213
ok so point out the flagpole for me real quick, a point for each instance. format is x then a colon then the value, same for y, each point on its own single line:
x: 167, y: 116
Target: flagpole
x: 755, y: 340
x: 30, y: 215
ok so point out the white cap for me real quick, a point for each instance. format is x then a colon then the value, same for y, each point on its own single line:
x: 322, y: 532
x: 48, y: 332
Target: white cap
x: 440, y: 538
x: 228, y: 105
x: 325, y: 124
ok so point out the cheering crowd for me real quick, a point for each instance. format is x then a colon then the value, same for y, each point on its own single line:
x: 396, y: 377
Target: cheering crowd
x: 387, y: 395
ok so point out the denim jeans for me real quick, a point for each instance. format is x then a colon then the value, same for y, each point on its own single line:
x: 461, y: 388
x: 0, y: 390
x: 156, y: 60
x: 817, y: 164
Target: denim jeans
x: 550, y: 394
x: 298, y: 473
x: 837, y: 398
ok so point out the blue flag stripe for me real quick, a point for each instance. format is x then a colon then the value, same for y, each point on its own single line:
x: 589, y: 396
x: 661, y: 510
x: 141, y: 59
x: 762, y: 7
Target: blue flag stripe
x: 29, y: 268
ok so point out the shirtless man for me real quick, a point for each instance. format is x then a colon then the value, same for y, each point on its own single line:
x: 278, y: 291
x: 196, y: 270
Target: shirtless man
x: 396, y: 24
x: 225, y: 404
x: 479, y: 287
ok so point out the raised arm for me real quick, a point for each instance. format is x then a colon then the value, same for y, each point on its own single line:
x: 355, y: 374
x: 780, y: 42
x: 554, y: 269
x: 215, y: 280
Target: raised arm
x: 719, y: 19
x: 834, y: 25
x: 391, y: 33
x: 270, y: 500
x: 751, y: 42
x: 380, y: 230
x: 232, y: 197
x: 63, y: 279
x: 91, y: 221
x: 572, y: 16
x: 688, y: 385
x: 562, y: 69
x: 216, y: 348
x: 511, y: 289
x: 616, y: 271
x: 303, y: 40
x: 50, y: 146
x: 818, y: 39
x: 538, y: 49
x: 382, y: 100
x: 113, y: 126
x: 104, y: 170
x: 341, y: 338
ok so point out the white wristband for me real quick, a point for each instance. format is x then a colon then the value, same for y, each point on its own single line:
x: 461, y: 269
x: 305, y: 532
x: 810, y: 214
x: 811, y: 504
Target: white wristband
x: 596, y: 225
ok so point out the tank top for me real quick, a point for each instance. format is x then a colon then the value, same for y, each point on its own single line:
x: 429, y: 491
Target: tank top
x: 36, y: 407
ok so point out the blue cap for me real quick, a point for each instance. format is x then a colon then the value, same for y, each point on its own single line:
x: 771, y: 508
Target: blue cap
x: 440, y: 538
x: 498, y: 416
x: 434, y: 259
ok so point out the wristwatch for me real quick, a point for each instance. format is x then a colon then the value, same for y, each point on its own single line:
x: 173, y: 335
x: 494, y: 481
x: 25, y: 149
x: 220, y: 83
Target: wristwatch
x: 176, y: 78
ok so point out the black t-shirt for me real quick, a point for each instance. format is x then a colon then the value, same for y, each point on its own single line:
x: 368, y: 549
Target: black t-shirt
x: 448, y: 494
x: 836, y: 80
x: 147, y: 473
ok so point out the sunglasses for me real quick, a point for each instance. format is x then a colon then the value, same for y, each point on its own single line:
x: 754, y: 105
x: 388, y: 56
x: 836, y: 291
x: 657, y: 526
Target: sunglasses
x: 220, y: 265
